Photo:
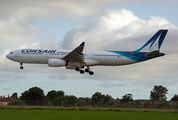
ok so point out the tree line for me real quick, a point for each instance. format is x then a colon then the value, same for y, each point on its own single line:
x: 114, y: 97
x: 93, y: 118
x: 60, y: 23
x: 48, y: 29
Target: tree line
x: 36, y: 96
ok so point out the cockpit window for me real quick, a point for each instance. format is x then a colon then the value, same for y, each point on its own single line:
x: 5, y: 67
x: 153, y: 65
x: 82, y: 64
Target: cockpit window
x: 11, y: 52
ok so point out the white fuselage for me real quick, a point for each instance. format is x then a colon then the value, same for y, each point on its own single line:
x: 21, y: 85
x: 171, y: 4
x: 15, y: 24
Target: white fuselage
x: 91, y: 57
x: 78, y: 58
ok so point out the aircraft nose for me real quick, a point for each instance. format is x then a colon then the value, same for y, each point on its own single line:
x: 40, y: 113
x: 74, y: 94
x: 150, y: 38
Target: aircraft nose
x: 8, y: 56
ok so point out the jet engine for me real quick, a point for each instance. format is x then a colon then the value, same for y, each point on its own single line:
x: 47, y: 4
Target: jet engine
x: 56, y: 63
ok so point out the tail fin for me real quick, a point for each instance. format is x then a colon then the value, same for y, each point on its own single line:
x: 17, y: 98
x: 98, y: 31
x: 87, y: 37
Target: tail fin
x: 154, y: 43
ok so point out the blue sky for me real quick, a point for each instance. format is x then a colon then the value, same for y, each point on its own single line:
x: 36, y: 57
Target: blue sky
x: 54, y: 25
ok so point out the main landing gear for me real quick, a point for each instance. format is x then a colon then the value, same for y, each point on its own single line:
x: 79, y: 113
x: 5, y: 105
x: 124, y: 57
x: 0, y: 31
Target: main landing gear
x: 21, y: 67
x: 87, y: 70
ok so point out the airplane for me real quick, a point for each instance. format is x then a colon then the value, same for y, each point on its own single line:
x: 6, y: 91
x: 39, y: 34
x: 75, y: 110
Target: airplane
x: 78, y: 59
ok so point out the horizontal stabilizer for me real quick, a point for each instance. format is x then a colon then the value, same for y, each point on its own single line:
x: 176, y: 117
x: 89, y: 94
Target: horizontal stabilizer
x: 152, y: 54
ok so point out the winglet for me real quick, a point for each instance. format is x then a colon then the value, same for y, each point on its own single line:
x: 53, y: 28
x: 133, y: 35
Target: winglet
x: 82, y: 44
x: 76, y: 53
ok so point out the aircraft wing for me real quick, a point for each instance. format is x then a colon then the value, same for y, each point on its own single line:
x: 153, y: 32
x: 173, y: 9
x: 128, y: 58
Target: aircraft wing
x: 76, y: 55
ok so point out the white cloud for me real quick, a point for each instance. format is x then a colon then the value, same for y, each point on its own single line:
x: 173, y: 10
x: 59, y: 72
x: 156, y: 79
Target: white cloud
x: 108, y: 84
x: 113, y: 29
x: 100, y: 29
x: 8, y: 77
x: 13, y: 31
x: 50, y: 9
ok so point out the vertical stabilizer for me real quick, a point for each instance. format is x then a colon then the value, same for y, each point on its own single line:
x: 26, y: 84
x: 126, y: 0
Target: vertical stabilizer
x: 153, y: 44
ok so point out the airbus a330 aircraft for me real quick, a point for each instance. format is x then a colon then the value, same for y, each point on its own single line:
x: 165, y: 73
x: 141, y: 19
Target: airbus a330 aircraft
x: 78, y: 59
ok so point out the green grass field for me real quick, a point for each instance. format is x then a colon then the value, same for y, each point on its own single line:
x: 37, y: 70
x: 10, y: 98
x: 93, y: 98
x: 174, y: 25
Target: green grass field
x: 54, y: 114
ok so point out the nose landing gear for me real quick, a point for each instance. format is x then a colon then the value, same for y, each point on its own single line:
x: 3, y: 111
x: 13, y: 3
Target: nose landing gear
x: 21, y: 67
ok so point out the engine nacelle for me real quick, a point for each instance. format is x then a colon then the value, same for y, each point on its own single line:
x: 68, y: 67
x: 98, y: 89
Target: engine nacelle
x: 56, y: 63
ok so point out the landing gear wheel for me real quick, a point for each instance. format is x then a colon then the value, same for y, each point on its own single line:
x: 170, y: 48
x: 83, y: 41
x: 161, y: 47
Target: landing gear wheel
x: 77, y: 69
x: 82, y: 71
x: 21, y: 67
x: 91, y: 72
x: 86, y: 70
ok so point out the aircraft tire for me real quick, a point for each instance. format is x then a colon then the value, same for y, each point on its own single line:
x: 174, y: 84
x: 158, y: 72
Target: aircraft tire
x: 21, y: 67
x: 77, y: 69
x: 86, y: 70
x: 91, y: 72
x: 82, y: 71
